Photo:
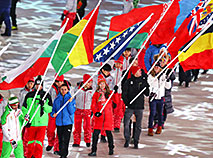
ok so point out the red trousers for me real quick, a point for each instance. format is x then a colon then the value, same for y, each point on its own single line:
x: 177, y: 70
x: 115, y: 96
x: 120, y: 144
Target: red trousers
x: 51, y: 134
x: 82, y: 114
x: 25, y: 141
x: 119, y: 112
x: 35, y: 141
x: 1, y: 139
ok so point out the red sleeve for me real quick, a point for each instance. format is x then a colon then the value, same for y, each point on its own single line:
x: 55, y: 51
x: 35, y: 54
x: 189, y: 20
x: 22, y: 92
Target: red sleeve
x: 115, y: 98
x: 94, y: 102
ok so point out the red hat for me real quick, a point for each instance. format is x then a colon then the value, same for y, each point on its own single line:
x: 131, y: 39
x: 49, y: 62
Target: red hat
x: 86, y: 77
x: 134, y: 69
x: 101, y: 79
x: 60, y: 78
x: 120, y: 60
x: 31, y: 79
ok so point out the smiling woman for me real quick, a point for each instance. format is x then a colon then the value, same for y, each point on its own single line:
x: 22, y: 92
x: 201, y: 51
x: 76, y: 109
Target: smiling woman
x: 64, y: 119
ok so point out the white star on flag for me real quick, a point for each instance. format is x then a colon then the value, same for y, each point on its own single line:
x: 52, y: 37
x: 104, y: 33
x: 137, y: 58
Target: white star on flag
x: 118, y: 39
x: 124, y: 34
x: 98, y: 56
x: 131, y: 28
x: 112, y: 45
x: 106, y: 51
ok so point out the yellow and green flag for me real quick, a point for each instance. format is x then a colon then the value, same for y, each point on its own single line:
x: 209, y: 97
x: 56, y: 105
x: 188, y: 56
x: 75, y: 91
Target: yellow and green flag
x: 82, y: 53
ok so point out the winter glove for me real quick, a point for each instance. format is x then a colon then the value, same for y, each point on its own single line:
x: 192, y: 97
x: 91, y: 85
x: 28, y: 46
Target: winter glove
x: 28, y: 124
x: 27, y: 117
x: 116, y: 89
x: 41, y: 102
x: 152, y: 96
x: 114, y: 105
x: 98, y: 114
x: 62, y: 16
x: 168, y: 79
x: 13, y: 143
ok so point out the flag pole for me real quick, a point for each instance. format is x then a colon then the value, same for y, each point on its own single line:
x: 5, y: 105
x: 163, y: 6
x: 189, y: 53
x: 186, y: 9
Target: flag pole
x: 5, y: 48
x: 61, y: 33
x: 138, y: 29
x: 72, y: 48
x: 151, y: 32
x: 208, y: 24
x: 66, y: 59
x: 159, y: 57
x: 172, y: 70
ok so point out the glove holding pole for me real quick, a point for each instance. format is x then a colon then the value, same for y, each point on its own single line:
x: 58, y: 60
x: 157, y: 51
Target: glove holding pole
x: 13, y: 143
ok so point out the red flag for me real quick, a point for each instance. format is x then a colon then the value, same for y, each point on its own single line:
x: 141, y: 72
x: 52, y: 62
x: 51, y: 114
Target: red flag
x: 163, y: 32
x: 186, y: 31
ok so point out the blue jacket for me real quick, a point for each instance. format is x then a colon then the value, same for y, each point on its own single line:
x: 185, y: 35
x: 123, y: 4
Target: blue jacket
x: 149, y: 55
x: 5, y: 4
x: 66, y: 116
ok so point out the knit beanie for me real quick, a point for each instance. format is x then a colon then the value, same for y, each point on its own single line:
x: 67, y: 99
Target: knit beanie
x: 13, y: 101
x: 38, y: 81
x: 86, y: 77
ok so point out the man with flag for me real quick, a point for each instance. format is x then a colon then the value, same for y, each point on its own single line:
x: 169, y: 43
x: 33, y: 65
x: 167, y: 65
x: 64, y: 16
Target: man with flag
x: 36, y: 129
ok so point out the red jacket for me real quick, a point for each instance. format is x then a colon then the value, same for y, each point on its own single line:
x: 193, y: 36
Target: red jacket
x: 105, y: 121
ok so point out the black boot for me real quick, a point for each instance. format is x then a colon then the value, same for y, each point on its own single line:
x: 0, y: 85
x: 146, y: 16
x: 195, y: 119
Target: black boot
x: 180, y: 83
x: 103, y: 139
x: 75, y: 145
x: 88, y: 144
x: 135, y: 144
x: 93, y: 153
x: 116, y: 130
x: 126, y: 145
x: 48, y: 148
x: 111, y: 152
x: 187, y: 84
x: 6, y: 33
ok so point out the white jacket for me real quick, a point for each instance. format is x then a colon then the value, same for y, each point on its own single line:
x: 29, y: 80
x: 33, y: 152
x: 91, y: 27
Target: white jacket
x: 21, y: 96
x: 71, y: 5
x: 84, y: 99
x: 158, y: 85
x: 11, y: 126
x: 117, y: 75
x: 109, y: 81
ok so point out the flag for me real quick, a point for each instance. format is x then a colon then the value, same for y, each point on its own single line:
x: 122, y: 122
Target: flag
x: 35, y: 65
x: 82, y: 53
x: 187, y: 30
x: 117, y: 43
x: 186, y: 6
x: 163, y: 32
x: 200, y: 53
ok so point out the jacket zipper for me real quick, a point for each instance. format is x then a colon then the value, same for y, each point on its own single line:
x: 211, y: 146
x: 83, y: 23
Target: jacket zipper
x: 84, y: 98
x: 62, y: 112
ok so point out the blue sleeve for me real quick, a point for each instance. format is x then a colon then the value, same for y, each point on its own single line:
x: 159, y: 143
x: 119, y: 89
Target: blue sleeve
x: 53, y: 109
x: 147, y: 59
x: 71, y: 107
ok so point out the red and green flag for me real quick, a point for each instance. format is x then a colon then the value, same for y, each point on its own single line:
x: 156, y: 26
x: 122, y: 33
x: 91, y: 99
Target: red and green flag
x: 35, y: 65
